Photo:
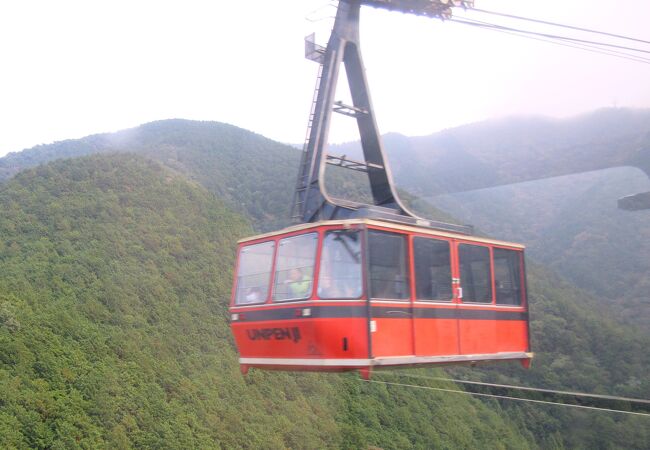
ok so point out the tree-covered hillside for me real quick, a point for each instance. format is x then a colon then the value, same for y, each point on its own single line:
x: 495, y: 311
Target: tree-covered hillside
x: 572, y: 224
x: 252, y: 174
x: 577, y: 346
x: 248, y: 171
x: 114, y: 279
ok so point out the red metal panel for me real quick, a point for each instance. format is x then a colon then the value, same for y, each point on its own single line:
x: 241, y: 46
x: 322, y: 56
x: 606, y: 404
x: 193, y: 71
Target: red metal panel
x: 477, y: 336
x: 392, y: 321
x: 512, y: 336
x: 302, y: 338
x: 392, y: 337
x: 435, y: 337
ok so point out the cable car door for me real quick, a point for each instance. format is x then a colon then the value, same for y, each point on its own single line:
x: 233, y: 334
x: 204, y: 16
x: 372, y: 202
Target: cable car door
x: 391, y: 312
x: 435, y: 322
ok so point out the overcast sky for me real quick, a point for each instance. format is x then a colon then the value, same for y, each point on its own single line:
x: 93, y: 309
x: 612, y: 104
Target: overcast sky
x: 73, y: 68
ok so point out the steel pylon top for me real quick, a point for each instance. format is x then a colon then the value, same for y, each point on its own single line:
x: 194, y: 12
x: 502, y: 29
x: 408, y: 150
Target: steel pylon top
x: 429, y: 8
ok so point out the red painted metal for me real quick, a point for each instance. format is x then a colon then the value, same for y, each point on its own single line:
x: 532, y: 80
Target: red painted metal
x: 340, y: 335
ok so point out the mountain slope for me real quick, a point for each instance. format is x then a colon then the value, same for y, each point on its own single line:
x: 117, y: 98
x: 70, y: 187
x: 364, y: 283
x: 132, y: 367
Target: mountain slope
x: 572, y: 225
x: 254, y: 175
x: 250, y: 172
x: 577, y: 346
x: 517, y: 149
x: 114, y: 279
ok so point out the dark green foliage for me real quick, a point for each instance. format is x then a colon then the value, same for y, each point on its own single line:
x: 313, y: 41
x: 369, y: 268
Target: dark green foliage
x: 251, y: 173
x: 115, y: 275
x: 114, y: 280
x: 576, y: 348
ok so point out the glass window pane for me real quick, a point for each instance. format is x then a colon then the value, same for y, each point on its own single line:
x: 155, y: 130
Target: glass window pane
x: 294, y: 268
x: 388, y: 273
x: 507, y: 276
x: 254, y: 273
x: 340, y: 266
x: 475, y: 275
x: 432, y: 269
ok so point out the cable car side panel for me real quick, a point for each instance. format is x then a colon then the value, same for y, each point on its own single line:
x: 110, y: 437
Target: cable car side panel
x: 302, y: 337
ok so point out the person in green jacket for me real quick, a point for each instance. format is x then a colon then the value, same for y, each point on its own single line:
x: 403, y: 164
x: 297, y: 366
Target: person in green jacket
x: 298, y: 284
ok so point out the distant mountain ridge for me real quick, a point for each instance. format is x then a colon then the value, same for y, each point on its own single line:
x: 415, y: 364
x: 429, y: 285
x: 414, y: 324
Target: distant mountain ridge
x: 469, y: 157
x: 516, y: 149
x: 211, y: 153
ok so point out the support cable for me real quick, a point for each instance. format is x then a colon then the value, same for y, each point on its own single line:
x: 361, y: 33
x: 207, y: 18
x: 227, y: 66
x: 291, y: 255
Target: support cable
x: 505, y: 397
x: 570, y: 27
x: 532, y: 389
x: 585, y: 47
x: 481, y: 24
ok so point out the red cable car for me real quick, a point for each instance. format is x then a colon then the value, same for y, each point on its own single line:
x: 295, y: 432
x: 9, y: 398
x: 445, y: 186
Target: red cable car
x: 360, y: 293
x: 356, y: 286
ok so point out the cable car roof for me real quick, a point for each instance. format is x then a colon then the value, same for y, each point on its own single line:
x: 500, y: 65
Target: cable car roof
x: 379, y: 223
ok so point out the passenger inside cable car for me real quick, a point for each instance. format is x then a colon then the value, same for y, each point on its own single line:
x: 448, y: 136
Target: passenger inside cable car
x: 364, y: 293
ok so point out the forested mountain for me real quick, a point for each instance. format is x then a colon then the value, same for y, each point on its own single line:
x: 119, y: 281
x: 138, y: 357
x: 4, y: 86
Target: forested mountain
x: 250, y: 172
x: 114, y: 278
x: 573, y: 225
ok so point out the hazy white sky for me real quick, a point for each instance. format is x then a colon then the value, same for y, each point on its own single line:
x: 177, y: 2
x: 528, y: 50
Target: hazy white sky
x: 72, y: 68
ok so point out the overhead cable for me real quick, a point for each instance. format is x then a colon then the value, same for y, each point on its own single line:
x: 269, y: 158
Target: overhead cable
x: 589, y: 48
x: 570, y: 27
x: 532, y: 389
x: 505, y: 397
x: 482, y: 24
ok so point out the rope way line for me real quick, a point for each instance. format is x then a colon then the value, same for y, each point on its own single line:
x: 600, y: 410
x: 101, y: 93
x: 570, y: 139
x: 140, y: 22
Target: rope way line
x: 505, y: 397
x: 525, y: 388
x: 592, y: 49
x: 588, y: 48
x: 597, y: 48
x: 482, y: 24
x: 585, y: 47
x: 571, y: 27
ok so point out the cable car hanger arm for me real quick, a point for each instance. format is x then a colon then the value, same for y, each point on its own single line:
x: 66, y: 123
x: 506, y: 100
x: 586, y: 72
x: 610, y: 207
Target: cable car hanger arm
x: 312, y: 202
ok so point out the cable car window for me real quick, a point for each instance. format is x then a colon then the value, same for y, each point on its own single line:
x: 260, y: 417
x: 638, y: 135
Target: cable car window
x: 475, y: 274
x: 294, y: 267
x: 388, y: 273
x: 507, y: 276
x: 340, y: 265
x: 432, y: 269
x: 254, y: 273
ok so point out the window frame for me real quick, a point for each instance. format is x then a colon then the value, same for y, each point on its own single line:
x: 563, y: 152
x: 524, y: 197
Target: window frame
x: 263, y: 299
x: 407, y: 265
x: 310, y: 291
x: 490, y: 261
x: 362, y: 263
x: 522, y: 278
x: 414, y: 281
